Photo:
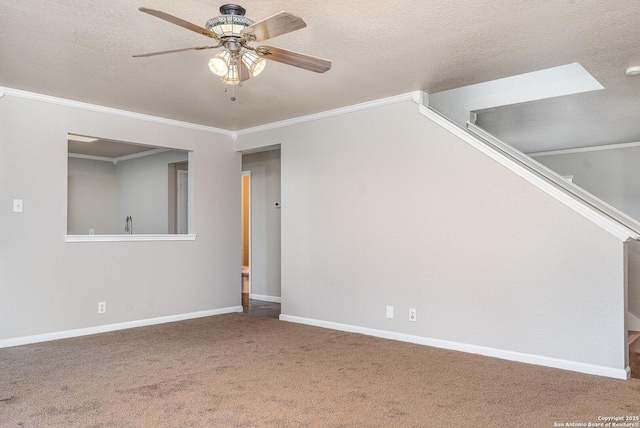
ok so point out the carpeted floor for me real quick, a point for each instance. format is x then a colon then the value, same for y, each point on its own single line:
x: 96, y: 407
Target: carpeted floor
x: 239, y: 370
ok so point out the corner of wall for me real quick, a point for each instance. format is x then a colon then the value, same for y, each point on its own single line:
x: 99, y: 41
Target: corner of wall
x: 633, y: 284
x: 420, y: 97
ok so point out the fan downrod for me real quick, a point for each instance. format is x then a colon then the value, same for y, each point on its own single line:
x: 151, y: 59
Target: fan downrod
x: 232, y: 9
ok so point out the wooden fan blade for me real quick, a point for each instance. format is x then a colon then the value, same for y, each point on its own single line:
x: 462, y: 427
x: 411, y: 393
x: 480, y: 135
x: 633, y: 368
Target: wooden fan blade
x: 284, y: 56
x: 181, y: 22
x: 199, y: 48
x: 280, y: 23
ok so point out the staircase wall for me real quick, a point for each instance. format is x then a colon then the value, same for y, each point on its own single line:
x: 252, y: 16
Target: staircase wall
x: 384, y: 207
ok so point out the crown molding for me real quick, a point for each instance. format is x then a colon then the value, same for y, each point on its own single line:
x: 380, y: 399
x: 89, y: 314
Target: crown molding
x: 411, y: 96
x: 119, y: 158
x: 90, y: 157
x: 108, y: 110
x: 415, y: 96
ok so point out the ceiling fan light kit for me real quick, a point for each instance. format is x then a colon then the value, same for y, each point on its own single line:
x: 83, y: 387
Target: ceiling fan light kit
x: 238, y: 60
x: 219, y: 64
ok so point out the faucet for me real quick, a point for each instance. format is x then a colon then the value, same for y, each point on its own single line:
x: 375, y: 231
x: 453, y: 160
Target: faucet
x: 128, y: 227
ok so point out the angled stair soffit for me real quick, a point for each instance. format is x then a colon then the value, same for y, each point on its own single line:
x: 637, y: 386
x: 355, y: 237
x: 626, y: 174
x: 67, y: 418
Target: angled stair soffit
x: 603, y: 215
x: 458, y: 104
x: 458, y: 107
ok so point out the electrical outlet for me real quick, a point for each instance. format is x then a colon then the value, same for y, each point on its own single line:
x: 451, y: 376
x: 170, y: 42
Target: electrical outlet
x: 390, y: 312
x: 102, y: 307
x: 413, y: 316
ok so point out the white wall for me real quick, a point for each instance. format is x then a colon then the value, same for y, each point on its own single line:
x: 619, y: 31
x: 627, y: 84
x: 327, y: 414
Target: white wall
x: 384, y: 207
x: 611, y: 175
x: 143, y: 191
x: 47, y: 285
x: 92, y: 197
x: 265, y: 223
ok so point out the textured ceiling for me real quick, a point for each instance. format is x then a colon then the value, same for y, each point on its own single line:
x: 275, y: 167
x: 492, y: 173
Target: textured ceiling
x: 82, y: 50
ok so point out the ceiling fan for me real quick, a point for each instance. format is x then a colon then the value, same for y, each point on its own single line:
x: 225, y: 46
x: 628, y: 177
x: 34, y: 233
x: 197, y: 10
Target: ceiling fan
x: 233, y: 32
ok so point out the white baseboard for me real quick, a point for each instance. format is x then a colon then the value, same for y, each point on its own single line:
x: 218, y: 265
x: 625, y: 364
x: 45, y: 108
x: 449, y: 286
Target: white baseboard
x: 274, y: 299
x: 6, y: 343
x: 472, y: 349
x: 633, y: 322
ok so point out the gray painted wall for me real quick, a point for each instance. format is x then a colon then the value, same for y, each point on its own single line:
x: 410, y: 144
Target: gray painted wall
x: 611, y: 175
x: 143, y: 191
x: 92, y: 197
x: 380, y: 207
x: 384, y: 207
x: 47, y: 285
x: 265, y: 222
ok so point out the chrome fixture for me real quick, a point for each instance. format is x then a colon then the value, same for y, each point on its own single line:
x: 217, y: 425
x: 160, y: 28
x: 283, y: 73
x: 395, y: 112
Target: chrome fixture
x: 128, y: 227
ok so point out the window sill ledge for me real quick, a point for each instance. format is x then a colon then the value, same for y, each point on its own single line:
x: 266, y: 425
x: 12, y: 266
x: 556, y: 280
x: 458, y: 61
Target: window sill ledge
x: 128, y: 238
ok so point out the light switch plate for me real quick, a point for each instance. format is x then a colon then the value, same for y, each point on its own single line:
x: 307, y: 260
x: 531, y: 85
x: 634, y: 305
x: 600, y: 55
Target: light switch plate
x: 17, y: 205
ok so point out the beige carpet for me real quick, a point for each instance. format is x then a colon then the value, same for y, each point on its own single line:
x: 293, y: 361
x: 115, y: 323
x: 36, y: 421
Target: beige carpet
x: 238, y: 370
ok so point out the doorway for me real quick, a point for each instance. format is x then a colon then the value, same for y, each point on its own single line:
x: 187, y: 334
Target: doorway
x: 178, y: 198
x: 263, y: 217
x: 245, y: 237
x: 182, y: 201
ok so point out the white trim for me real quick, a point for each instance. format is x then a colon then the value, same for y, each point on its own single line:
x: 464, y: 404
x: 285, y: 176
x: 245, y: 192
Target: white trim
x: 25, y: 340
x: 125, y: 157
x: 129, y: 238
x: 472, y: 349
x: 260, y: 149
x: 420, y: 97
x: 263, y: 298
x: 329, y: 113
x: 585, y: 149
x: 558, y: 189
x: 147, y: 153
x: 90, y: 157
x: 108, y: 110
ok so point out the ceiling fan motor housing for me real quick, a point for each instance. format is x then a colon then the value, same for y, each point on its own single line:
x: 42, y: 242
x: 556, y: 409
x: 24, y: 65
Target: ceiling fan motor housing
x: 232, y: 9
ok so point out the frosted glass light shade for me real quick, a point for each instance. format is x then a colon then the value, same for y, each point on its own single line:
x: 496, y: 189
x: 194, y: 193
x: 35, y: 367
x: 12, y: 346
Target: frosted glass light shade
x: 254, y: 63
x: 232, y: 77
x: 219, y: 64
